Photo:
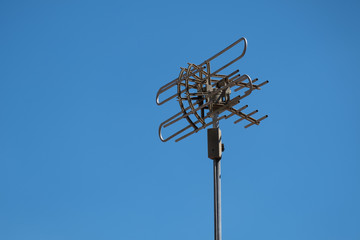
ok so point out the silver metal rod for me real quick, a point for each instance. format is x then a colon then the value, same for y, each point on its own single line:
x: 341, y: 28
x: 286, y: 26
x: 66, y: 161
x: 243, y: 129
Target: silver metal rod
x: 217, y: 199
x: 217, y: 190
x: 247, y: 117
x: 234, y: 111
x: 262, y: 84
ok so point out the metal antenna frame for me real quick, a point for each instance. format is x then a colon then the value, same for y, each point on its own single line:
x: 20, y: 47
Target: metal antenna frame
x: 204, y: 97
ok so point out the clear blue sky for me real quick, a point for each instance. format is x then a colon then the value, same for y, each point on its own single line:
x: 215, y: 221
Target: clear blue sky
x: 79, y: 153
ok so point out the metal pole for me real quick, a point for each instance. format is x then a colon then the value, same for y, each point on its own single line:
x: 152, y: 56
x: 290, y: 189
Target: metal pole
x: 217, y: 190
x: 217, y: 199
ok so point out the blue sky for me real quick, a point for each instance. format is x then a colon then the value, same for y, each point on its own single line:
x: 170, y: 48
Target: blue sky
x: 79, y: 153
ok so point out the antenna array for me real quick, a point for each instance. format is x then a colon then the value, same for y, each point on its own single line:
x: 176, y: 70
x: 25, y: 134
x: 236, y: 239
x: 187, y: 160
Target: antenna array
x: 203, y: 94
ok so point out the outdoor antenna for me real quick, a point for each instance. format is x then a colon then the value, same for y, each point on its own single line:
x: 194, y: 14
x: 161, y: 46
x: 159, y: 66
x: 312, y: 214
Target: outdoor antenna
x: 203, y: 96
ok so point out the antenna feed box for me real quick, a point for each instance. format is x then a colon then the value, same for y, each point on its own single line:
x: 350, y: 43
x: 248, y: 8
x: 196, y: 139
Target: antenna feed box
x: 215, y: 146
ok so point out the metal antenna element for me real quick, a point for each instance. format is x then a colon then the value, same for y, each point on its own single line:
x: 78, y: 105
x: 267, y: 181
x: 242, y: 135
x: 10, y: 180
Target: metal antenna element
x: 204, y: 96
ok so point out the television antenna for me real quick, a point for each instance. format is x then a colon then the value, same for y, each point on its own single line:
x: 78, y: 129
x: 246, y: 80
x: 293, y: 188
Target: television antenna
x: 204, y: 97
